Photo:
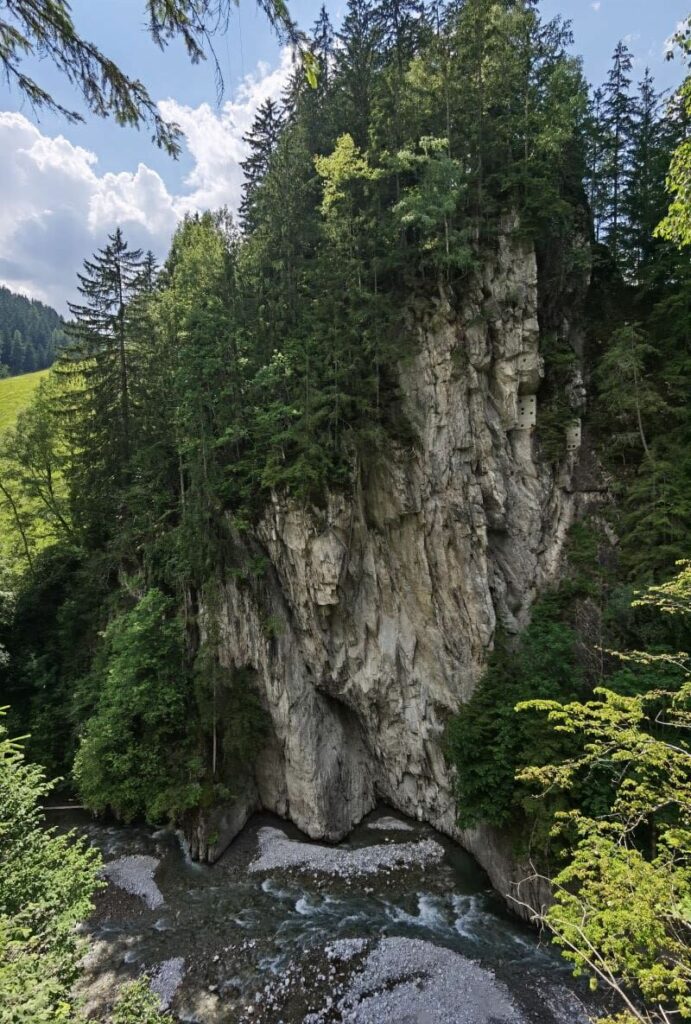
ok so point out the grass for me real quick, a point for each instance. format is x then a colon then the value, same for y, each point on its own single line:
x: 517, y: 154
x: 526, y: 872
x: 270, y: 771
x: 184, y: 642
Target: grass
x: 15, y: 395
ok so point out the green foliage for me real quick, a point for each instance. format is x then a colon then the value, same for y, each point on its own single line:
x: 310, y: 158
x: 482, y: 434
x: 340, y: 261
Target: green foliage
x: 31, y: 334
x: 137, y: 1004
x: 627, y: 388
x: 429, y: 205
x: 136, y: 755
x: 676, y: 226
x: 46, y: 887
x: 95, y: 403
x: 59, y: 609
x: 639, y: 311
x: 556, y: 412
x: 231, y: 715
x: 621, y: 908
x: 33, y: 496
x: 266, y: 362
x: 485, y: 741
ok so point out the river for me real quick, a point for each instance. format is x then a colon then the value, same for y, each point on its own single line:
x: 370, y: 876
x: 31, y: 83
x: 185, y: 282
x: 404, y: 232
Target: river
x: 421, y: 940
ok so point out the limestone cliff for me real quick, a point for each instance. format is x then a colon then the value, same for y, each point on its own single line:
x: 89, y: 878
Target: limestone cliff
x: 384, y: 604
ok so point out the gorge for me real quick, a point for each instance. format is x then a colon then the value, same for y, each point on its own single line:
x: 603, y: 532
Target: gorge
x: 385, y: 604
x: 344, y: 554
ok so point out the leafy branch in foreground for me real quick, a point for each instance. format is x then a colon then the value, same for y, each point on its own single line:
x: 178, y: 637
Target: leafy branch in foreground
x: 47, y: 885
x: 45, y: 28
x: 622, y: 905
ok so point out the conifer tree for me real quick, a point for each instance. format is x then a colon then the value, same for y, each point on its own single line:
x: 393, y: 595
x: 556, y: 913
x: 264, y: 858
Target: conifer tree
x: 357, y: 61
x: 399, y: 24
x: 595, y: 158
x: 262, y: 140
x: 642, y: 200
x: 99, y: 363
x: 46, y: 28
x: 676, y: 226
x: 323, y: 49
x: 618, y: 116
x: 311, y: 105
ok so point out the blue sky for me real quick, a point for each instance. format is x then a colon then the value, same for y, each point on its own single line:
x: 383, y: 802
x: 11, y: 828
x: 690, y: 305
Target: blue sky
x: 64, y: 186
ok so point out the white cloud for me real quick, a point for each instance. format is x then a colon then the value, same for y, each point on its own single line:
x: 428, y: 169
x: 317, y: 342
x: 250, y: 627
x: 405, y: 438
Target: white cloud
x: 215, y: 140
x: 596, y: 6
x: 57, y: 208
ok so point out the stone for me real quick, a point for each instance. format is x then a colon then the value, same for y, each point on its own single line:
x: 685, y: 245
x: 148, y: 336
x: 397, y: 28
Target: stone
x: 386, y: 601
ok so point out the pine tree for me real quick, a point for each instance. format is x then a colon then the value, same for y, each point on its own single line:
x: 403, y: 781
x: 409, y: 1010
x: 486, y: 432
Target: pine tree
x: 399, y: 25
x: 357, y: 62
x: 262, y: 140
x: 595, y: 160
x: 618, y: 117
x: 642, y: 200
x: 99, y: 362
x: 323, y: 49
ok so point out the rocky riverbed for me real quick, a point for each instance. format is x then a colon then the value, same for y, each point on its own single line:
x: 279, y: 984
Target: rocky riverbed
x: 396, y: 924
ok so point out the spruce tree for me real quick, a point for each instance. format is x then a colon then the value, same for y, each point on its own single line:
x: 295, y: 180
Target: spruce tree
x: 643, y: 195
x: 262, y: 140
x: 357, y: 62
x: 399, y: 24
x: 99, y: 361
x: 323, y: 48
x: 596, y: 159
x: 618, y: 116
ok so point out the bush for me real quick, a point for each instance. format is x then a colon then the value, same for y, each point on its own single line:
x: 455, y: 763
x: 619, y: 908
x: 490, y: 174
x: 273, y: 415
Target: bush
x: 137, y: 756
x: 487, y: 742
x: 137, y: 1004
x: 47, y: 883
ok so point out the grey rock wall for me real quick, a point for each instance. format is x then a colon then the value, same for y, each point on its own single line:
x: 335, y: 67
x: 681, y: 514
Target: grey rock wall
x: 384, y: 605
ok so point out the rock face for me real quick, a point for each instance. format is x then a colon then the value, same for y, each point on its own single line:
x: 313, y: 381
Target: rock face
x: 383, y: 606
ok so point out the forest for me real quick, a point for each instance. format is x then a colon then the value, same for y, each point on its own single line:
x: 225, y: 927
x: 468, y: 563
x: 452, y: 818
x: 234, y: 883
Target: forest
x: 263, y: 358
x: 31, y: 334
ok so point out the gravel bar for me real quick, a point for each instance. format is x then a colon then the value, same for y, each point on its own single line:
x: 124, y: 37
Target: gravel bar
x: 167, y: 980
x: 135, y: 874
x: 414, y: 982
x: 277, y: 851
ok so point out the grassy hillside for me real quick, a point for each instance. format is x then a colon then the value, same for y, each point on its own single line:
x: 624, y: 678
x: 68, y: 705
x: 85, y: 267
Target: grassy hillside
x: 15, y: 395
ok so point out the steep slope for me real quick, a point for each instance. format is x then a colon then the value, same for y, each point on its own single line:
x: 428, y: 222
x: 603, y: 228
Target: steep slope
x: 384, y: 606
x: 30, y: 333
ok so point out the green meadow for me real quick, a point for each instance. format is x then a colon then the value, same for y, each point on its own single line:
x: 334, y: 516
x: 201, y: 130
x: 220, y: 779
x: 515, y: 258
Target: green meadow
x: 15, y: 395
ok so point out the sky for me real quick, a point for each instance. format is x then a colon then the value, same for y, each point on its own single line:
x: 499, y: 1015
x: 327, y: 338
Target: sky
x: 64, y: 187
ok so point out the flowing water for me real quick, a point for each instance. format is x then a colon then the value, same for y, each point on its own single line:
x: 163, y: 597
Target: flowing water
x: 253, y: 943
